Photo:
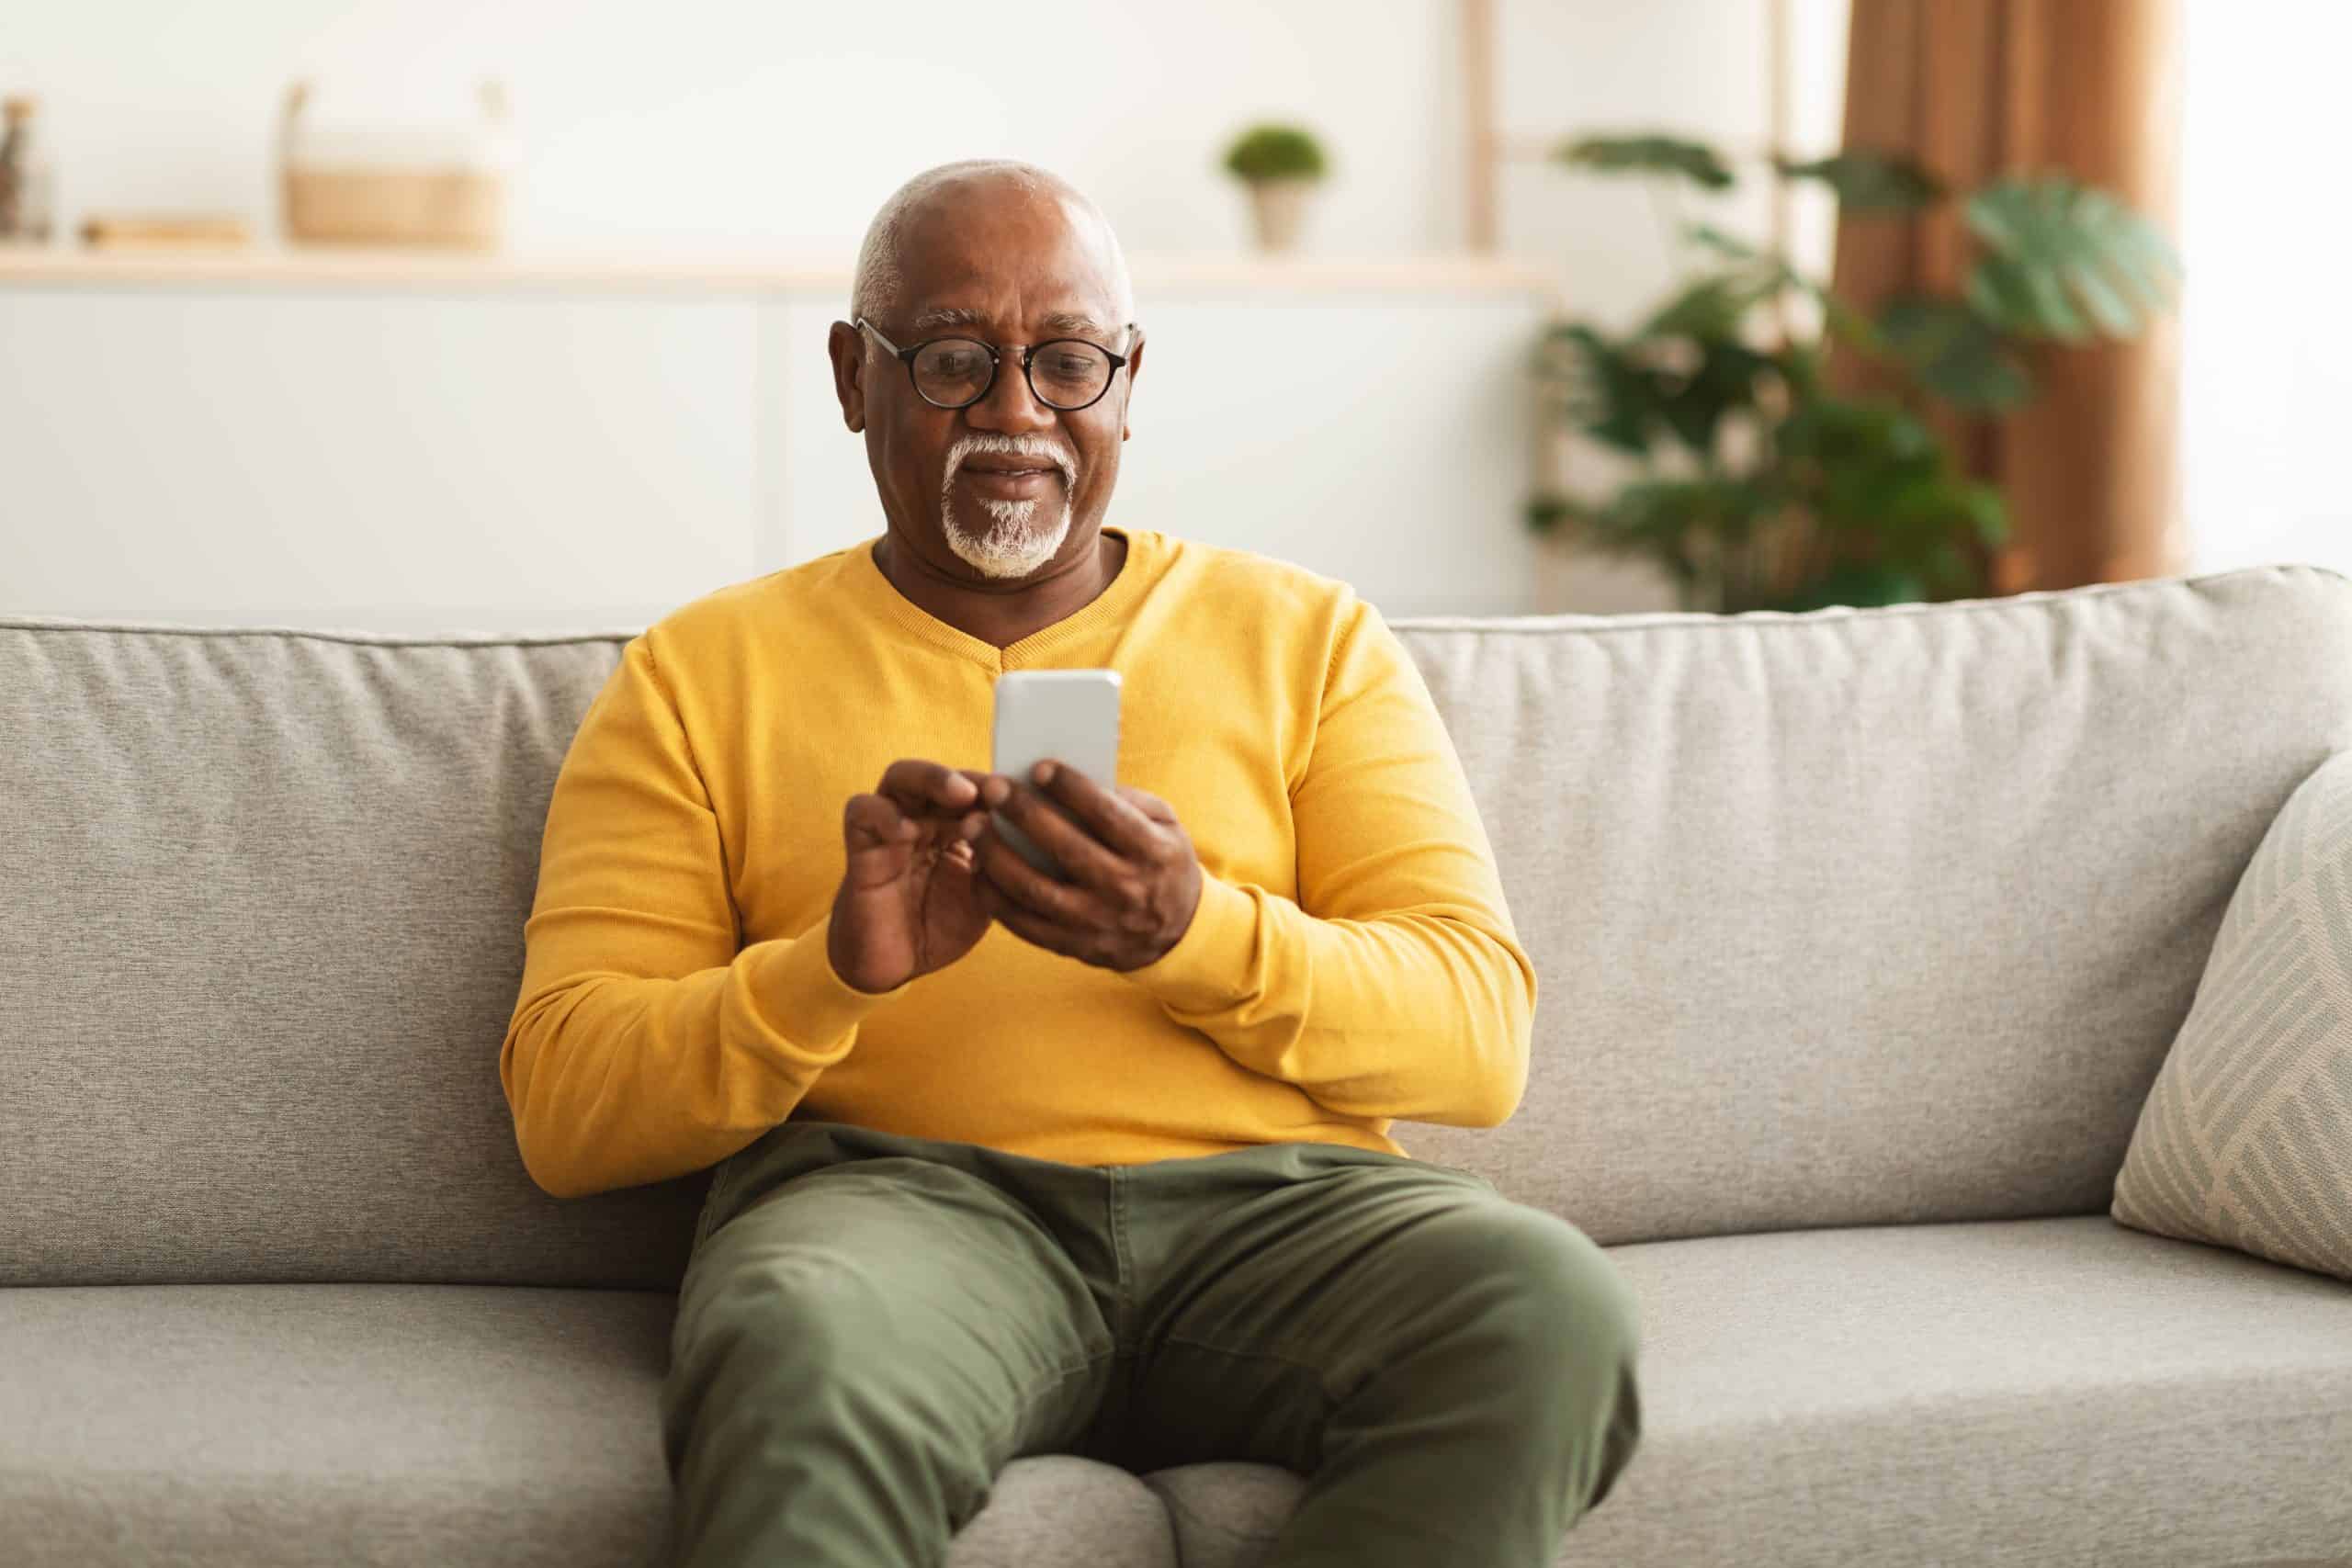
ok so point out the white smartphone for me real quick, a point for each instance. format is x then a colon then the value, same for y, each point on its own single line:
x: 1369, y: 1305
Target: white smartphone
x: 1071, y: 716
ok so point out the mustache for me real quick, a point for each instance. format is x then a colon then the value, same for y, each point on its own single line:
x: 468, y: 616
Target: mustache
x: 1013, y: 445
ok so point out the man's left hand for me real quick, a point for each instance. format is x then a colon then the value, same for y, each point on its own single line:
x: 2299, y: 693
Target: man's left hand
x: 1135, y: 879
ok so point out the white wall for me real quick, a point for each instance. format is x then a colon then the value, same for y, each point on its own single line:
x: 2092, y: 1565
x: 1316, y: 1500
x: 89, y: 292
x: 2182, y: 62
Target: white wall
x: 757, y: 124
x: 754, y: 124
x: 1689, y: 67
x: 2266, y: 344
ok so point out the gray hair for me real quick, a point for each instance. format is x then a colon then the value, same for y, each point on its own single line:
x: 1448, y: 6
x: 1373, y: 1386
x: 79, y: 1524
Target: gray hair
x: 879, y: 278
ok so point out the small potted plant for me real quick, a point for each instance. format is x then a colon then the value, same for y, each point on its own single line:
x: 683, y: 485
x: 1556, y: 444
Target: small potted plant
x: 1280, y: 163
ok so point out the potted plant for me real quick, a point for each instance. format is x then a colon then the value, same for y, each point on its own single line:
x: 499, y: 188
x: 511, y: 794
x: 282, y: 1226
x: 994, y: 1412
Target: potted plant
x: 1280, y: 163
x: 1757, y: 483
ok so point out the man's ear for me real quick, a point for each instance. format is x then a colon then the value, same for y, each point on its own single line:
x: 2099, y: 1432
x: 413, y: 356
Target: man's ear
x: 846, y: 346
x: 1126, y: 404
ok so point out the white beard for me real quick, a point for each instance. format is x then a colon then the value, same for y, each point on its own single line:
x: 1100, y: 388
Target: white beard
x: 1015, y: 545
x: 1015, y: 541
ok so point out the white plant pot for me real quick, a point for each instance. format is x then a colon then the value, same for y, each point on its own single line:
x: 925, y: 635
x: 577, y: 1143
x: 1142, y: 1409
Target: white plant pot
x: 1278, y: 210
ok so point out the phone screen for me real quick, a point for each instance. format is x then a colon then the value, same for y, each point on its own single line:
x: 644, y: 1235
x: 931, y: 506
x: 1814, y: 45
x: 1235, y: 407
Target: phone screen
x: 1071, y: 716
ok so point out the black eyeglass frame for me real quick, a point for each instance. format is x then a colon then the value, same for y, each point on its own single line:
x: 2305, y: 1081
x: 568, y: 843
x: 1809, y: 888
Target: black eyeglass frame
x: 906, y: 357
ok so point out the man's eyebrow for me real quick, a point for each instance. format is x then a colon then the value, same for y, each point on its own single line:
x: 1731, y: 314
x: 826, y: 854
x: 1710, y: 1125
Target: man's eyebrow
x: 1073, y: 321
x: 946, y: 316
x: 1076, y: 322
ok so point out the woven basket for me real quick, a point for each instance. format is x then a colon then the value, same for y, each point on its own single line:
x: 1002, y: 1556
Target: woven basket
x: 446, y: 196
x: 386, y: 206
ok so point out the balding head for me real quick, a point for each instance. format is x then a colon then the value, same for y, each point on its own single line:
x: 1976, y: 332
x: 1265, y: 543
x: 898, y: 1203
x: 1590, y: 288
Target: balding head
x: 880, y: 283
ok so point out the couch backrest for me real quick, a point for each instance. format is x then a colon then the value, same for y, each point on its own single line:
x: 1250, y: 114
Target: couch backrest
x: 263, y: 931
x: 1856, y: 916
x: 1871, y: 917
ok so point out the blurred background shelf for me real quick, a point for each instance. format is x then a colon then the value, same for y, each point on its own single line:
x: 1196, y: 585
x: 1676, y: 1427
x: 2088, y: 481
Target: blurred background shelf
x: 309, y: 265
x: 529, y: 441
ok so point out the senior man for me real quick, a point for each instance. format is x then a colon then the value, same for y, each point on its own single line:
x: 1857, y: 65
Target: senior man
x: 1009, y: 1166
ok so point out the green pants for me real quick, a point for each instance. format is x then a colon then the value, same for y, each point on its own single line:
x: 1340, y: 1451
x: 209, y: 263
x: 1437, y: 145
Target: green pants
x: 871, y: 1327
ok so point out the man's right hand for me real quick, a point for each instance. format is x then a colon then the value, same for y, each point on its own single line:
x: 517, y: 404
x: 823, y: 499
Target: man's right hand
x: 908, y: 903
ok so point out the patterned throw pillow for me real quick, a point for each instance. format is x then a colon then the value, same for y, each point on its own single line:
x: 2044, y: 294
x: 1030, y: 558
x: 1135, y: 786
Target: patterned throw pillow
x: 2245, y: 1139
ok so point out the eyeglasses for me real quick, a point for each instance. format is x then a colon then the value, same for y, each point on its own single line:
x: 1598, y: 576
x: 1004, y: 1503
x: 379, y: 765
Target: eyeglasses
x: 1066, y: 372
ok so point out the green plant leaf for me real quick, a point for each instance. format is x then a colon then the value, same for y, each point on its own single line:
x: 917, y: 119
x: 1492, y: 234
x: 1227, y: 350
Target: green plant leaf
x: 2061, y: 259
x: 1929, y: 506
x: 1856, y: 433
x: 1858, y: 583
x: 1545, y: 512
x: 1948, y: 570
x: 1858, y: 465
x: 1721, y: 241
x: 1601, y: 390
x: 1955, y: 353
x: 1648, y: 154
x: 2007, y: 295
x: 1723, y: 382
x: 1275, y: 152
x: 1715, y: 304
x: 1799, y: 365
x: 1848, y: 325
x: 1769, y: 273
x: 1868, y: 182
x: 1662, y: 516
x: 1709, y: 307
x: 1982, y: 506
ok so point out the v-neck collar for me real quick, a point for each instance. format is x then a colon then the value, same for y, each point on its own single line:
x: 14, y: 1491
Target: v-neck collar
x: 1110, y: 604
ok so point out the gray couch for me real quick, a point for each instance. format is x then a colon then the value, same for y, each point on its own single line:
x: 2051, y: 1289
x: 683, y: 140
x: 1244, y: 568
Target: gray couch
x: 1862, y: 934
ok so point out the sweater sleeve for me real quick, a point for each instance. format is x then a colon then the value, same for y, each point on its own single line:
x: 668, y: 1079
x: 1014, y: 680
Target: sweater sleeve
x: 1395, y: 986
x: 646, y: 1041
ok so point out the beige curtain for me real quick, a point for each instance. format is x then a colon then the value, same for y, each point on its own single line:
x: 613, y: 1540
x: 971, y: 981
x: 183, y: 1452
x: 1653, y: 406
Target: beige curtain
x: 1977, y: 88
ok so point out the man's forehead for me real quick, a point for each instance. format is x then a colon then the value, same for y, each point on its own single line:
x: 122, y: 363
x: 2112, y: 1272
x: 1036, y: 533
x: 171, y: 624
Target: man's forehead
x: 977, y: 248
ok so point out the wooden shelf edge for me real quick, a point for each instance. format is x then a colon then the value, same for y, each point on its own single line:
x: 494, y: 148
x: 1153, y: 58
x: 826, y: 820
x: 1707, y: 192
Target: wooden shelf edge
x: 263, y: 267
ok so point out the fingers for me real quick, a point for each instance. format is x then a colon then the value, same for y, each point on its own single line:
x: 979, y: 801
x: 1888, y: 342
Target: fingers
x: 1079, y: 852
x: 922, y: 787
x: 878, y: 818
x: 993, y: 790
x: 1118, y: 822
x: 1030, y: 928
x: 1024, y: 886
x: 915, y: 791
x: 1038, y: 929
x: 872, y: 819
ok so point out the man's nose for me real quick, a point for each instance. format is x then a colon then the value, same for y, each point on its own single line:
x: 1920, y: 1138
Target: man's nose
x: 1011, y: 404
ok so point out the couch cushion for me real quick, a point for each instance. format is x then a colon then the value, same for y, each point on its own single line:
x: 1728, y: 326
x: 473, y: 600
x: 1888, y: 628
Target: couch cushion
x: 266, y: 1424
x: 2039, y: 1391
x: 1061, y: 1511
x: 1226, y: 1513
x: 1857, y: 916
x: 271, y: 1424
x: 263, y: 932
x: 2246, y: 1141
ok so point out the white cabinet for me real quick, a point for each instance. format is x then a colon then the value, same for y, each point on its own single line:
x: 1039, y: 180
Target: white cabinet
x: 372, y: 461
x: 386, y: 444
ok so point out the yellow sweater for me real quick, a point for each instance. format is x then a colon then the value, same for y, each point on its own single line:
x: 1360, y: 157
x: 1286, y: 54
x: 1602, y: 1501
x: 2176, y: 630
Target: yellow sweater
x: 1351, y: 959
